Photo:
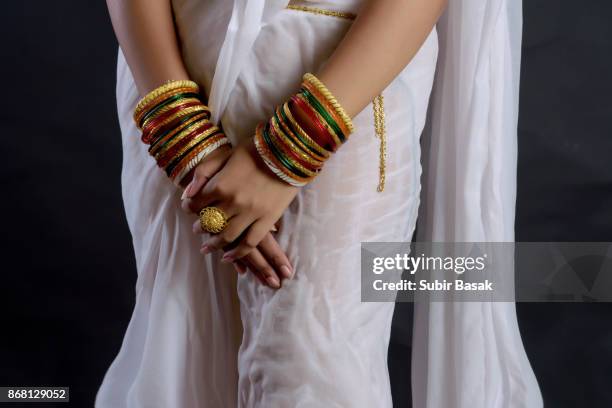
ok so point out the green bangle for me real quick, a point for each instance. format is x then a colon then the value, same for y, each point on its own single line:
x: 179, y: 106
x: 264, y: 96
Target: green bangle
x: 314, y: 102
x: 166, y: 102
x: 280, y: 156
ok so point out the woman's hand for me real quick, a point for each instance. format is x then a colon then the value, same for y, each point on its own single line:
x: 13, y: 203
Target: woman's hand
x: 251, y: 197
x: 267, y: 261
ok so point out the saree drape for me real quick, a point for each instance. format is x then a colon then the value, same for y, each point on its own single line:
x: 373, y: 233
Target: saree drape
x: 471, y: 354
x: 191, y: 344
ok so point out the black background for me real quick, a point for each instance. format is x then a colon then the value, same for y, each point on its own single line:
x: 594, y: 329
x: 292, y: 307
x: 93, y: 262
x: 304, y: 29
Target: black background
x: 68, y: 272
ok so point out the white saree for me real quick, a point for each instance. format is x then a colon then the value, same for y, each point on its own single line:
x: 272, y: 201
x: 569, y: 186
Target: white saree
x: 201, y: 337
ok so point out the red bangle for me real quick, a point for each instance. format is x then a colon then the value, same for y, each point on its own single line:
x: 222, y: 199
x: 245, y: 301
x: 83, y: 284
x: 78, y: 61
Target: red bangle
x: 170, y: 154
x: 320, y: 134
x: 153, y: 126
x: 289, y: 152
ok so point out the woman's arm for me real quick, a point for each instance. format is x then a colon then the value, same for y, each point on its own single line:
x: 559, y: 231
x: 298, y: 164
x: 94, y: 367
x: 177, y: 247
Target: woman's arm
x: 380, y: 43
x: 378, y: 46
x: 147, y: 36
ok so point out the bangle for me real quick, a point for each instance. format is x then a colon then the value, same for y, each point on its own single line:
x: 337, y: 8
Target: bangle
x: 272, y: 163
x: 288, y: 154
x: 161, y: 124
x: 169, y: 134
x: 167, y: 103
x: 320, y: 135
x: 294, y: 128
x: 192, y: 160
x: 168, y: 86
x: 294, y: 146
x: 328, y: 120
x: 175, y: 124
x: 317, y: 94
x: 198, y: 137
x: 308, y: 77
x: 295, y: 152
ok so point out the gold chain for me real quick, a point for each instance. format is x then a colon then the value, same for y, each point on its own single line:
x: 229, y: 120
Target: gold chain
x: 323, y: 12
x: 378, y: 105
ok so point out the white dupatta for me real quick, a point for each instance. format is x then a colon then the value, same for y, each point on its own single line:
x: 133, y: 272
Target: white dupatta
x: 470, y: 355
x: 465, y: 355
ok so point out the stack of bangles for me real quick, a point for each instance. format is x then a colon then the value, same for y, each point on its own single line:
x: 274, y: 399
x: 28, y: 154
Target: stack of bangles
x: 295, y: 151
x: 176, y: 126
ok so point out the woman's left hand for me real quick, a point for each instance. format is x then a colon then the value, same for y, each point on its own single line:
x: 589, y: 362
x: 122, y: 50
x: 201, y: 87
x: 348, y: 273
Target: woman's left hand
x: 251, y: 196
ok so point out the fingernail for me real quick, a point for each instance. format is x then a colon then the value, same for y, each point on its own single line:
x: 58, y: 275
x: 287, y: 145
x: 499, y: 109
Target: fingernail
x: 205, y: 250
x: 273, y: 282
x: 184, y: 195
x: 188, y: 190
x: 228, y: 258
x: 274, y: 229
x: 286, y: 272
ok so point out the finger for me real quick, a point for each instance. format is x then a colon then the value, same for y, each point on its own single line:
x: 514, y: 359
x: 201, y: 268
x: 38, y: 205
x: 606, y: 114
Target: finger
x: 232, y: 232
x: 210, y: 192
x: 272, y: 251
x: 203, y: 198
x: 240, y: 267
x: 255, y: 272
x: 259, y: 263
x: 205, y: 170
x: 253, y: 237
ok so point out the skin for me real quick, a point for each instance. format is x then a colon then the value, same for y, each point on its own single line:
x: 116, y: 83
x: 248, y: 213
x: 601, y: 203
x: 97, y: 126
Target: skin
x: 147, y: 36
x: 257, y: 199
x: 359, y: 69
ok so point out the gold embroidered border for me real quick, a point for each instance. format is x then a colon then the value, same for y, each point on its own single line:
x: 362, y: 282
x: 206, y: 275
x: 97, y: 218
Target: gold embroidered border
x: 323, y: 12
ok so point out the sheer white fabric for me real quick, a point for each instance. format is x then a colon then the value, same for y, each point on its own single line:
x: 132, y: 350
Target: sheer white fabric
x: 470, y: 354
x: 199, y: 336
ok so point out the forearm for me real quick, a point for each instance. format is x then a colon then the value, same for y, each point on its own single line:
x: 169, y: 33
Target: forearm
x: 146, y: 33
x: 381, y: 42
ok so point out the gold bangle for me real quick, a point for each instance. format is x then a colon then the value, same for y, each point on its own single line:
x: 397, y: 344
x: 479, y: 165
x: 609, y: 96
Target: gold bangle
x: 186, y: 161
x: 293, y: 146
x: 305, y: 145
x: 178, y: 115
x: 175, y: 104
x: 324, y: 153
x: 140, y: 114
x: 272, y: 162
x: 330, y: 99
x: 199, y: 138
x: 322, y: 120
x: 180, y: 136
x: 168, y: 86
x: 160, y: 142
x: 332, y: 112
x: 293, y: 162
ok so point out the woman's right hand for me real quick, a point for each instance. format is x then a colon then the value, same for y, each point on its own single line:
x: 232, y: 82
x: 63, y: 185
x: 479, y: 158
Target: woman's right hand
x: 267, y: 261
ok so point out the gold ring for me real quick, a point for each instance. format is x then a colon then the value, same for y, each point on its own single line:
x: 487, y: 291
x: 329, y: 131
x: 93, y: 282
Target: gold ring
x: 212, y: 220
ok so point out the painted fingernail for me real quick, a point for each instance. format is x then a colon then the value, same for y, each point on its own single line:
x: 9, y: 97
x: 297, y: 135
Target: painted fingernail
x: 273, y: 282
x: 227, y: 258
x: 205, y: 250
x: 184, y: 195
x: 286, y: 272
x: 190, y: 186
